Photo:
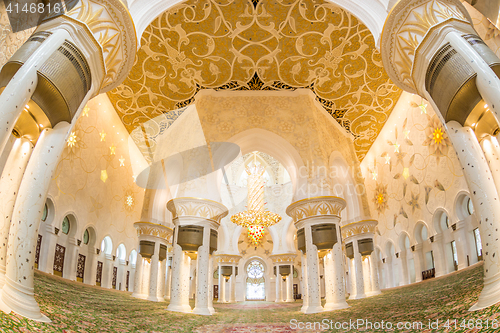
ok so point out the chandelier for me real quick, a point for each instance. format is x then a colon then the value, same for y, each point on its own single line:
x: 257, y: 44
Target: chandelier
x: 255, y: 218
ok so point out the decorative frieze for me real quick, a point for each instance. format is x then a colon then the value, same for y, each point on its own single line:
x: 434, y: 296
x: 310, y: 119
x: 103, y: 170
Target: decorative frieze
x: 286, y: 258
x: 317, y: 206
x: 153, y: 229
x: 197, y: 207
x: 227, y: 258
x: 359, y: 228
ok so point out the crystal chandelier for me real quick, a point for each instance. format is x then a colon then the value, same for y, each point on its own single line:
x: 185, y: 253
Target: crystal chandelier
x: 255, y: 218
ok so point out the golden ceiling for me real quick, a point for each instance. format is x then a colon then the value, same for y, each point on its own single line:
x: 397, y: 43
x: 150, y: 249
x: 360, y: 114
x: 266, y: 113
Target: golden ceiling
x: 260, y: 45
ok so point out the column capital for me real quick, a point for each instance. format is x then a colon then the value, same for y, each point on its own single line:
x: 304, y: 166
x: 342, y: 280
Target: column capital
x: 196, y: 210
x: 227, y: 259
x: 323, y: 206
x: 283, y: 259
x: 407, y: 28
x: 110, y: 28
x: 364, y: 228
x: 154, y: 230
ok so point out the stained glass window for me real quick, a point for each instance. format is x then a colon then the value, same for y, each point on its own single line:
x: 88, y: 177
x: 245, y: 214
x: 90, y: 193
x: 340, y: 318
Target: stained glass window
x: 65, y: 226
x: 255, y: 281
x: 45, y: 213
x: 86, y: 236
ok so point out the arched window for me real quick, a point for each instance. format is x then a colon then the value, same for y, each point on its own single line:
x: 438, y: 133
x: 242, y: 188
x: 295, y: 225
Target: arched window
x: 255, y: 280
x: 45, y: 213
x: 65, y: 225
x: 470, y: 207
x: 86, y: 236
x: 106, y: 245
x: 133, y: 257
x: 121, y: 252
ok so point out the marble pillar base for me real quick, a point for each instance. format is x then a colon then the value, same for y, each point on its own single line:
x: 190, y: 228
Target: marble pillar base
x: 357, y: 296
x: 202, y: 311
x: 373, y: 293
x: 336, y: 306
x: 139, y: 296
x: 311, y: 309
x: 180, y: 308
x: 17, y: 298
x: 155, y: 299
x: 489, y: 295
x: 289, y: 300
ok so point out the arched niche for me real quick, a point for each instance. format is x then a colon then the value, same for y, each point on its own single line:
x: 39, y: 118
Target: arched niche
x: 463, y: 205
x: 441, y: 220
x: 107, y: 245
x: 421, y: 232
x: 121, y: 252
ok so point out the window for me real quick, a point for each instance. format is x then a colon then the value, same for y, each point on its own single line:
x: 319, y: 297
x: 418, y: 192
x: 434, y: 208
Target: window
x: 45, y: 213
x: 479, y: 247
x: 106, y: 245
x: 86, y: 237
x: 470, y: 207
x: 65, y: 226
x: 454, y: 252
x: 255, y: 281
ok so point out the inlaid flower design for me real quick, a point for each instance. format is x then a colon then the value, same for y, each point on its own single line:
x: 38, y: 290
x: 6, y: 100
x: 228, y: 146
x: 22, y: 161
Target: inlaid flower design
x: 436, y: 138
x: 380, y: 198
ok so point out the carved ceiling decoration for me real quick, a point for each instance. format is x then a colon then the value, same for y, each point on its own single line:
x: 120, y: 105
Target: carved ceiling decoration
x: 260, y: 45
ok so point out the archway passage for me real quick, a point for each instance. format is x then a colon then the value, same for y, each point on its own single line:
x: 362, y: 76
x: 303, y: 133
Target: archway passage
x: 255, y: 284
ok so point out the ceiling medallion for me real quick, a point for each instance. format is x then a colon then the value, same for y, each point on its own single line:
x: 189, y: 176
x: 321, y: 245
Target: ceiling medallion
x: 260, y: 45
x: 255, y: 218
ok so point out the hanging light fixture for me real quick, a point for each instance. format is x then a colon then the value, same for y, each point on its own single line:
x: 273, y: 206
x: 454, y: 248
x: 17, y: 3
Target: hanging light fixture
x: 255, y: 218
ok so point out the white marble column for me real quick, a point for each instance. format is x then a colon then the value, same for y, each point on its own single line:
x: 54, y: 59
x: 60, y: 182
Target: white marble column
x: 169, y: 278
x: 210, y: 286
x: 403, y: 255
x: 89, y: 275
x: 47, y: 249
x: 10, y: 181
x: 179, y: 293
x: 419, y: 261
x: 17, y: 293
x: 460, y: 235
x: 374, y: 275
x: 336, y: 266
x: 359, y: 285
x: 305, y: 299
x: 366, y: 276
x: 153, y: 275
x: 21, y: 87
x: 486, y: 200
x: 72, y: 259
x: 438, y: 252
x: 278, y: 285
x: 222, y: 283
x: 162, y: 278
x: 203, y: 275
x: 491, y: 149
x: 313, y: 287
x: 107, y: 271
x: 289, y: 286
x: 232, y: 285
x: 139, y: 266
x: 328, y: 269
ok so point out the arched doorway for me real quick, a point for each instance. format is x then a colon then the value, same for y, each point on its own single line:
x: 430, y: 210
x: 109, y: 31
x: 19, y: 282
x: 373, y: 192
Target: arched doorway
x: 255, y: 284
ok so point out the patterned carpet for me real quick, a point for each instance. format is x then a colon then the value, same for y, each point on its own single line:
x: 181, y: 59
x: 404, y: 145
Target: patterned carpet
x: 74, y: 307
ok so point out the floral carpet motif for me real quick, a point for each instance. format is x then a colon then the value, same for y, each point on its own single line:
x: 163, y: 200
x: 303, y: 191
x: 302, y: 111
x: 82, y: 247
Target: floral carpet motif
x: 74, y: 307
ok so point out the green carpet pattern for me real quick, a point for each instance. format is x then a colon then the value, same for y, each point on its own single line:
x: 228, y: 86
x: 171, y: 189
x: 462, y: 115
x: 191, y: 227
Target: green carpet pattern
x: 74, y: 307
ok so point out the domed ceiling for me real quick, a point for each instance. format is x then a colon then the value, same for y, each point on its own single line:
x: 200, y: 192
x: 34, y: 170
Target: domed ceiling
x: 260, y: 45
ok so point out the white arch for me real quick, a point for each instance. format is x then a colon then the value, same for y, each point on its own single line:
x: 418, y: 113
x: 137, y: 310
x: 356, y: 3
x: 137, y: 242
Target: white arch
x: 121, y: 252
x: 371, y: 13
x: 132, y: 257
x: 107, y: 245
x: 418, y: 231
x: 437, y: 220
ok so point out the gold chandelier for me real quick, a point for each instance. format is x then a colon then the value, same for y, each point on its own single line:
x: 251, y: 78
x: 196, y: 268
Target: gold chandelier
x: 255, y: 218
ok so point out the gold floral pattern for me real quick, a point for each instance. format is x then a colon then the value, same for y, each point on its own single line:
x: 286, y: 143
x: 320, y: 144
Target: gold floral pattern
x: 436, y: 138
x: 380, y: 198
x: 275, y: 45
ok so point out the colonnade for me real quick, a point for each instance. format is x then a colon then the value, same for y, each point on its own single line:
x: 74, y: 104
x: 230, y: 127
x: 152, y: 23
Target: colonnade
x: 283, y: 267
x: 461, y: 99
